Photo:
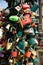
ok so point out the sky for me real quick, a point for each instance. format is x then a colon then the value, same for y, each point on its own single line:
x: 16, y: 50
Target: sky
x: 3, y: 4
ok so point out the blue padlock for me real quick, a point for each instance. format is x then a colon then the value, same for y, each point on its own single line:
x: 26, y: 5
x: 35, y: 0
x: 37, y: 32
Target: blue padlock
x: 35, y: 7
x: 32, y: 41
x: 19, y: 33
x: 21, y: 46
x: 19, y: 63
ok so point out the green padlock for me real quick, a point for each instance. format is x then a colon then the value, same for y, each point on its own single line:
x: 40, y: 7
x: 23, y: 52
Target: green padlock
x: 1, y: 49
x: 14, y: 18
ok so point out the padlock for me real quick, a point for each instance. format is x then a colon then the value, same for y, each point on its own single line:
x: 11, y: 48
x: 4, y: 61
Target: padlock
x: 1, y: 49
x: 10, y: 61
x: 34, y: 20
x: 29, y: 63
x: 35, y: 60
x: 19, y: 33
x: 1, y: 33
x: 28, y: 54
x: 19, y: 63
x: 15, y: 60
x: 25, y: 6
x: 26, y: 44
x: 11, y: 29
x: 34, y: 52
x: 21, y: 46
x: 14, y: 54
x: 9, y: 44
x: 33, y: 14
x: 35, y: 30
x: 7, y: 12
x: 14, y: 19
x: 33, y: 24
x: 33, y: 41
x: 26, y: 20
x: 35, y: 7
x: 33, y: 57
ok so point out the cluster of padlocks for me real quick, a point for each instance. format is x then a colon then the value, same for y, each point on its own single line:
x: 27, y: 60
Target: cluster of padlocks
x: 18, y: 42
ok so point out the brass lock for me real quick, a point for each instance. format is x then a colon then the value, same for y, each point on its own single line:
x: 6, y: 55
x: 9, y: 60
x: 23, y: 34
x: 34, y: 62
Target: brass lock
x: 9, y: 45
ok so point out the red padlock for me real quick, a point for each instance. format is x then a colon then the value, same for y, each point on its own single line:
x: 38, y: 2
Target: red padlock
x: 14, y: 54
x: 26, y: 20
x: 25, y: 6
x: 28, y: 54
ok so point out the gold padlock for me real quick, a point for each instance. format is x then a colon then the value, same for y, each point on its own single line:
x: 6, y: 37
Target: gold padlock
x: 34, y: 52
x: 15, y: 61
x: 30, y: 63
x: 26, y: 44
x: 9, y: 45
x: 33, y: 57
